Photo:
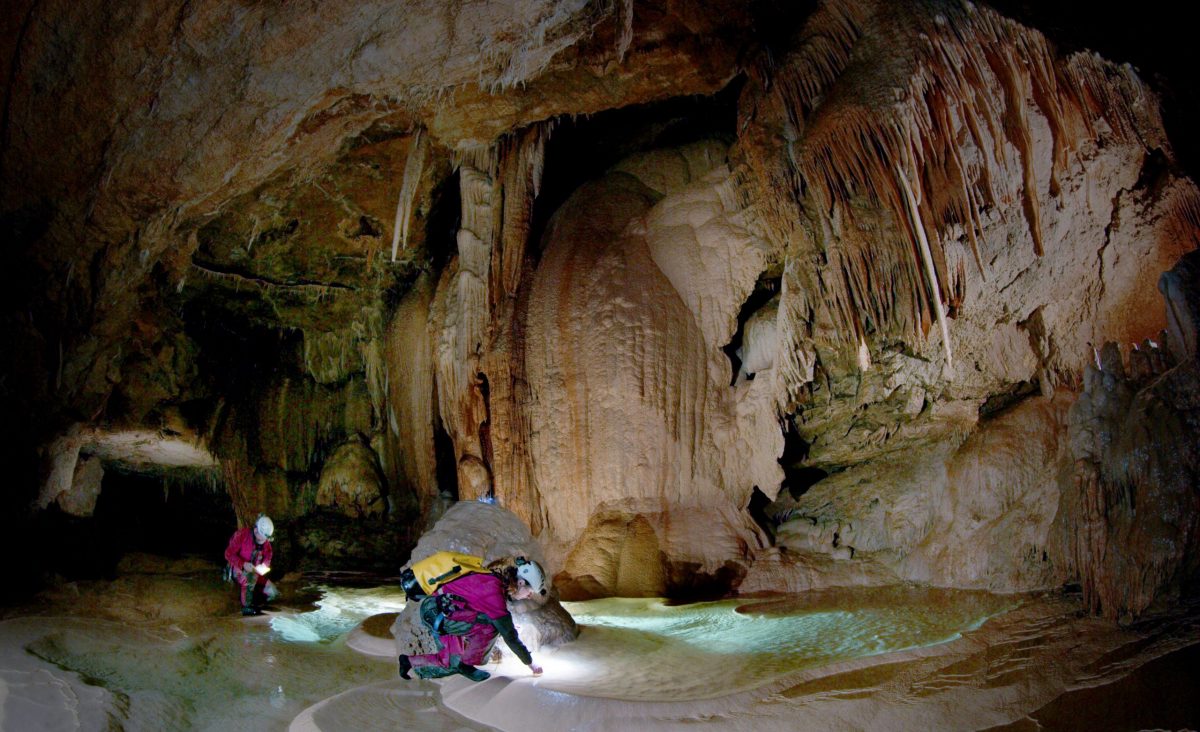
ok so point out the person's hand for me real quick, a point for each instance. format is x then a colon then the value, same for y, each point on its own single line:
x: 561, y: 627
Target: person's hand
x: 535, y: 669
x: 247, y: 567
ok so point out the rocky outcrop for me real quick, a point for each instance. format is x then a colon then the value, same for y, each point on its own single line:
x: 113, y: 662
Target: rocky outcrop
x: 351, y: 482
x: 488, y: 531
x: 1132, y: 513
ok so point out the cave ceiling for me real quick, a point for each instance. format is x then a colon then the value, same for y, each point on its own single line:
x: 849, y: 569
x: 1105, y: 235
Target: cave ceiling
x: 253, y: 155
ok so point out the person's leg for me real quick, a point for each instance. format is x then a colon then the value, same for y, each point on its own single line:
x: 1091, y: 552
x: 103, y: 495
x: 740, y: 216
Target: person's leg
x: 441, y: 659
x: 477, y: 643
x: 246, y: 594
x: 475, y: 646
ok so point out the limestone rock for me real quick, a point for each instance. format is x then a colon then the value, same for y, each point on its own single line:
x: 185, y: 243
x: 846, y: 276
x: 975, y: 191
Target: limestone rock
x: 629, y: 310
x: 1131, y: 513
x: 85, y: 488
x: 351, y: 482
x: 991, y: 528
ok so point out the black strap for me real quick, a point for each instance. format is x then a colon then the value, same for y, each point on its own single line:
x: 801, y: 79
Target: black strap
x: 449, y: 573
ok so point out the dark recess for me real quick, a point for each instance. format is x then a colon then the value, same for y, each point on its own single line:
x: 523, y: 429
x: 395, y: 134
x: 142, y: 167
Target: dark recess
x: 583, y: 148
x: 765, y: 289
x: 1157, y: 37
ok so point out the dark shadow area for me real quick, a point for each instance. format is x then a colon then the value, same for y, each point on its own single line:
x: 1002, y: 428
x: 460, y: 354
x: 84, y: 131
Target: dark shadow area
x: 158, y: 515
x: 442, y: 224
x: 998, y: 404
x: 801, y: 478
x: 236, y: 357
x: 687, y: 584
x: 1158, y: 695
x: 583, y: 148
x: 334, y: 544
x: 766, y: 288
x: 757, y: 508
x: 1156, y: 37
x: 447, y: 465
x: 134, y: 513
x: 797, y: 477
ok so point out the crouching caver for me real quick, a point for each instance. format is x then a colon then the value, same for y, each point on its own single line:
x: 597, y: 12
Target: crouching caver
x: 249, y: 556
x: 467, y: 610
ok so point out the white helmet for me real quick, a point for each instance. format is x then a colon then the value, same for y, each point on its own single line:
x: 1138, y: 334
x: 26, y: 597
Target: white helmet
x: 264, y: 526
x: 532, y: 573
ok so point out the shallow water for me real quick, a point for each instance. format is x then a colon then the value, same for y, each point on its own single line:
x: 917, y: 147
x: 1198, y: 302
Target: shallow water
x: 229, y: 673
x: 225, y: 673
x: 644, y: 649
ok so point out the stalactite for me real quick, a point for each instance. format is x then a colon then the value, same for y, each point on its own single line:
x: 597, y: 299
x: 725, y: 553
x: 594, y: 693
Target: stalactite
x: 927, y: 258
x: 461, y: 311
x: 413, y: 167
x: 625, y: 34
x: 498, y: 184
x: 410, y: 394
x: 961, y: 77
x: 521, y: 160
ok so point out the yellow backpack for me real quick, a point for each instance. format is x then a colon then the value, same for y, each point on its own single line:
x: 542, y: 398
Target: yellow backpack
x: 438, y: 569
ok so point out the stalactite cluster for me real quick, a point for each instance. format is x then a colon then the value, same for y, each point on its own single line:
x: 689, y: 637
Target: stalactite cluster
x: 949, y: 112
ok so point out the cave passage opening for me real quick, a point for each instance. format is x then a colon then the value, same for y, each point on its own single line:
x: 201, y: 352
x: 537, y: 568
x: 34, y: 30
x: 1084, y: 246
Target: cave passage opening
x: 445, y: 464
x: 171, y: 514
x: 581, y: 149
x: 167, y: 512
x: 765, y: 288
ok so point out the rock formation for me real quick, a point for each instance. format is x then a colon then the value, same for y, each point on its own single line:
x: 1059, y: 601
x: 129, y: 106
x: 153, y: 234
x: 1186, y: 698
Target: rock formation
x: 713, y: 297
x: 488, y: 531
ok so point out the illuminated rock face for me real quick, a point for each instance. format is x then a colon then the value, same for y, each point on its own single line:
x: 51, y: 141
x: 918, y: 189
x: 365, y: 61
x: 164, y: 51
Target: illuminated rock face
x: 637, y: 291
x: 891, y: 267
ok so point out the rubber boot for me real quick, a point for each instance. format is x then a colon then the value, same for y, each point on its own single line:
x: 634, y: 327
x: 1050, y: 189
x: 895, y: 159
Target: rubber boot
x: 472, y: 673
x: 433, y: 672
x: 249, y: 610
x: 405, y: 667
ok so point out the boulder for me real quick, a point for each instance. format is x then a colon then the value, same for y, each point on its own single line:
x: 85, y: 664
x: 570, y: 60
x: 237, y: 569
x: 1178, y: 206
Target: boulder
x: 486, y: 530
x: 351, y: 482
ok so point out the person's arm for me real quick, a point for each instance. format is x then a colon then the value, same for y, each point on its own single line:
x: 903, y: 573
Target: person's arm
x: 508, y: 631
x: 233, y: 552
x: 268, y: 553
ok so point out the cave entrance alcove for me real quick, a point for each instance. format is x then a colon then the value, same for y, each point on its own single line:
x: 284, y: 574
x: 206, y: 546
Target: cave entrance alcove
x: 170, y: 513
x: 765, y: 288
x: 167, y: 512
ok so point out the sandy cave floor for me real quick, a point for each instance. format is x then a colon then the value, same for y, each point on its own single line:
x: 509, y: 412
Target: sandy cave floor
x: 160, y: 648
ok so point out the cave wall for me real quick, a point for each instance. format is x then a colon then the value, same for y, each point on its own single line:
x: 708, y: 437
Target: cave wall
x: 636, y: 293
x: 916, y: 234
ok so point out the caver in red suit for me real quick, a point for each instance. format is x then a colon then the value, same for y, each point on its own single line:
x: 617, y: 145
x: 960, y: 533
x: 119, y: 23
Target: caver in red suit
x: 486, y: 609
x: 250, y: 551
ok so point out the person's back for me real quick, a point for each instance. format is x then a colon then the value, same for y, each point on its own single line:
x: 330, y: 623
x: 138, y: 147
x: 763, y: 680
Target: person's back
x: 480, y: 606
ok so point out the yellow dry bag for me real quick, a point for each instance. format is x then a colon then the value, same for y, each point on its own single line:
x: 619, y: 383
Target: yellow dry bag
x: 438, y: 569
